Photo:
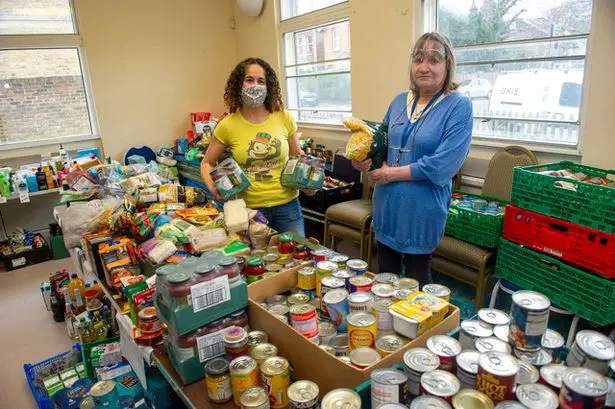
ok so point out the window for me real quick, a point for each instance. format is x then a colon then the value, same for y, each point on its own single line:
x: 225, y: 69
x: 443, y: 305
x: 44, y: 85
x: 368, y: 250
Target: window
x: 317, y: 64
x: 43, y: 93
x: 294, y: 8
x: 529, y: 59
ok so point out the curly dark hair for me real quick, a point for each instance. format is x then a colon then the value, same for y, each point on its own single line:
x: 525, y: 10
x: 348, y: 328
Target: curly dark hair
x: 232, y: 91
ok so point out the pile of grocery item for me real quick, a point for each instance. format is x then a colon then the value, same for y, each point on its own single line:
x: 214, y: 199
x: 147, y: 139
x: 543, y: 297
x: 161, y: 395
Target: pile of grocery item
x: 577, y: 177
x: 466, y: 201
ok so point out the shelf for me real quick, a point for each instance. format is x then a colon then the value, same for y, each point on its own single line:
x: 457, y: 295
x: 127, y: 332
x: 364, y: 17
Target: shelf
x: 31, y: 194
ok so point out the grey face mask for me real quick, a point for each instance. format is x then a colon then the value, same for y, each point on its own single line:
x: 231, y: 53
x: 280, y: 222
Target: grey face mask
x: 254, y: 96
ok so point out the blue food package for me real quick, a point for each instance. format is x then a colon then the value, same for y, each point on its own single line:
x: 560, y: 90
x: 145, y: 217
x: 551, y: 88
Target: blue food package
x: 70, y: 398
x: 128, y: 385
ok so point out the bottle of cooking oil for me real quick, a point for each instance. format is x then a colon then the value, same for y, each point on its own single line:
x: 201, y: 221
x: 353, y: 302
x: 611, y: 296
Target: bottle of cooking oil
x: 69, y: 317
x: 100, y: 332
x: 86, y: 333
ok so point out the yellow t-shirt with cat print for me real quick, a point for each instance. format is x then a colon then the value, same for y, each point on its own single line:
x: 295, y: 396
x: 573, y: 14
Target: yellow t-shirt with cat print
x: 262, y: 151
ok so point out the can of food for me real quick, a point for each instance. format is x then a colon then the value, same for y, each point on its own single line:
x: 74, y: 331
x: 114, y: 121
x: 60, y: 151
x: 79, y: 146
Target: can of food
x: 360, y: 301
x: 363, y: 357
x: 537, y: 396
x: 380, y: 310
x: 510, y: 404
x: 357, y: 266
x: 538, y: 358
x: 276, y: 379
x: 297, y: 299
x: 392, y: 406
x: 306, y: 278
x: 87, y: 403
x: 320, y: 255
x: 104, y: 394
x: 487, y: 344
x: 328, y: 349
x: 409, y: 284
x: 303, y: 395
x: 583, y: 388
x: 440, y: 383
x: 417, y: 361
x: 592, y: 350
x: 270, y: 258
x: 344, y: 275
x: 341, y: 398
x: 282, y: 318
x: 471, y: 399
x: 255, y: 338
x: 339, y: 259
x: 315, y: 339
x: 610, y: 396
x: 388, y: 386
x: 323, y: 269
x: 501, y: 332
x: 429, y: 402
x: 496, y: 375
x: 360, y: 284
x: 362, y: 329
x: 493, y: 317
x: 327, y: 332
x: 280, y: 310
x: 328, y: 283
x: 438, y: 290
x: 337, y: 306
x: 389, y: 344
x: 467, y: 368
x: 276, y: 300
x: 551, y: 376
x: 446, y: 348
x: 386, y: 278
x: 254, y: 398
x: 527, y: 373
x: 529, y: 316
x: 381, y: 290
x: 399, y: 294
x: 470, y: 331
x: 304, y: 320
x: 263, y: 351
x: 553, y: 342
x: 244, y: 375
x: 340, y: 343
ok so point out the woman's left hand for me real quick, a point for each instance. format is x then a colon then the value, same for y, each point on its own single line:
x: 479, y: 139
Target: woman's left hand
x: 383, y: 175
x: 309, y: 192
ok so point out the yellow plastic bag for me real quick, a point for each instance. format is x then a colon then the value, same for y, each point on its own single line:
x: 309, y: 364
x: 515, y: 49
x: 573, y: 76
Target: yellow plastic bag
x: 359, y: 144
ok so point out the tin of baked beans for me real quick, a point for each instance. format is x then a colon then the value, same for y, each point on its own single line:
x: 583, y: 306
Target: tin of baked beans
x: 399, y: 294
x: 538, y: 358
x: 344, y: 275
x: 104, y: 394
x: 327, y: 332
x: 592, y: 350
x: 383, y: 291
x: 360, y: 284
x: 303, y: 319
x: 337, y: 306
x: 263, y: 351
x: 446, y: 348
x: 429, y: 402
x: 282, y: 318
x: 328, y: 349
x: 254, y: 398
x: 510, y: 404
x: 438, y: 290
x: 529, y: 316
x: 583, y: 388
x: 280, y: 310
x: 407, y: 284
x: 244, y: 375
x: 467, y: 368
x: 496, y: 375
x: 386, y: 278
x: 297, y: 299
x: 276, y: 300
x: 470, y: 331
x: 357, y: 266
x: 501, y: 332
x: 388, y: 386
x: 255, y: 338
x: 440, y: 383
x: 303, y: 395
x: 360, y: 301
x: 340, y: 343
x: 361, y: 330
x: 320, y: 255
x: 380, y: 310
x: 493, y: 317
x: 323, y: 269
x: 487, y: 344
x: 306, y: 278
x: 341, y: 398
x: 388, y: 344
x: 537, y: 396
x: 328, y: 283
x: 417, y: 361
x: 551, y: 376
x: 527, y: 373
x: 275, y: 376
x: 471, y: 399
x: 362, y: 357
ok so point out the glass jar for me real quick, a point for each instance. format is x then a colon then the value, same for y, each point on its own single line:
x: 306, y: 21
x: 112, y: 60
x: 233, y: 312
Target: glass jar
x: 228, y: 265
x: 287, y: 244
x: 206, y: 272
x: 162, y: 273
x: 300, y: 254
x: 241, y: 262
x: 148, y: 321
x: 239, y: 319
x: 218, y: 380
x: 179, y: 289
x: 235, y: 342
x: 255, y: 267
x: 185, y: 346
x: 286, y: 261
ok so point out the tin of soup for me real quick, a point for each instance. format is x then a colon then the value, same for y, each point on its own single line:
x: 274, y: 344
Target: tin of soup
x: 388, y: 344
x: 254, y: 398
x: 417, y: 361
x: 320, y: 255
x: 276, y: 378
x: 383, y: 291
x: 303, y: 395
x: 339, y: 259
x: 537, y: 396
x: 470, y: 331
x: 583, y: 388
x: 592, y: 350
x: 446, y: 348
x: 399, y: 294
x: 527, y: 373
x: 303, y: 319
x: 337, y: 306
x: 328, y: 283
x: 344, y: 275
x: 244, y: 375
x: 496, y: 375
x: 551, y: 376
x: 467, y: 368
x: 306, y: 278
x: 553, y: 342
x: 501, y: 332
x: 388, y: 386
x: 407, y: 284
x: 471, y: 399
x: 279, y: 310
x: 538, y: 358
x: 510, y: 404
x: 276, y: 300
x: 386, y: 278
x: 438, y: 290
x: 323, y: 269
x: 493, y: 317
x: 360, y: 301
x: 363, y: 357
x: 429, y: 402
x: 340, y: 343
x: 529, y: 316
x: 440, y: 383
x: 360, y: 284
x: 357, y: 266
x: 487, y: 344
x: 326, y: 331
x: 380, y: 310
x: 341, y: 398
x: 361, y: 330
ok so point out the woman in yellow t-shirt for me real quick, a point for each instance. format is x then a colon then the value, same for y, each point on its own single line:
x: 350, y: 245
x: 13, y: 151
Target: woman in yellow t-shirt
x: 260, y: 134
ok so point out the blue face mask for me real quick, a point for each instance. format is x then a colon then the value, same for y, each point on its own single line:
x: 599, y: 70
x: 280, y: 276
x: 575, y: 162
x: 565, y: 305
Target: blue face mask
x: 253, y: 96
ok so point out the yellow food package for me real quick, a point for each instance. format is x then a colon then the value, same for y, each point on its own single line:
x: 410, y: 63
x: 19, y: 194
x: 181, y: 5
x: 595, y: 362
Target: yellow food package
x: 359, y: 144
x: 424, y: 309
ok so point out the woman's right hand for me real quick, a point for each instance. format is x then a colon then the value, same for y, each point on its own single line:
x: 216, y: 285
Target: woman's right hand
x: 362, y: 165
x: 216, y: 194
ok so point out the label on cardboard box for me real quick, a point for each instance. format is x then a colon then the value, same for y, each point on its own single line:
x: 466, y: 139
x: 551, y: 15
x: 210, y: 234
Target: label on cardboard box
x: 18, y: 262
x: 206, y: 295
x: 211, y: 346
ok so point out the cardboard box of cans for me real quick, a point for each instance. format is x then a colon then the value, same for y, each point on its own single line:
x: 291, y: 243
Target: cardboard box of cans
x: 308, y: 359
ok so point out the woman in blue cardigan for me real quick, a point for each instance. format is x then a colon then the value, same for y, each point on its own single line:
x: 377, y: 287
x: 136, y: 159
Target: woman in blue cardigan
x: 430, y: 129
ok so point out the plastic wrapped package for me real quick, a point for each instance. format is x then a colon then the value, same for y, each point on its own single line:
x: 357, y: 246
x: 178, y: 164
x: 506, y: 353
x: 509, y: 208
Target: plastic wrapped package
x: 260, y: 234
x: 170, y: 209
x: 178, y: 231
x: 75, y: 218
x: 236, y: 216
x: 119, y: 253
x: 303, y: 172
x: 141, y: 181
x: 198, y: 214
x: 214, y: 223
x: 368, y: 141
x: 157, y: 250
x: 208, y: 239
x: 229, y: 178
x: 191, y: 196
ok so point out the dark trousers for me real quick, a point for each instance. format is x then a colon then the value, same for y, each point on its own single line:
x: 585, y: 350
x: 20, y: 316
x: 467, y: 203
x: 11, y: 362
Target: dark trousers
x: 417, y: 266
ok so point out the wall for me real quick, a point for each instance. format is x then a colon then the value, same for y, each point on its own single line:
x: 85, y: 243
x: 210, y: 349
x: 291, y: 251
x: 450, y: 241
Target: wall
x: 258, y: 36
x: 153, y: 62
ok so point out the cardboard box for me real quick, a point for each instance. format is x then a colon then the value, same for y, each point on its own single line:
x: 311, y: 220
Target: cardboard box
x: 307, y: 359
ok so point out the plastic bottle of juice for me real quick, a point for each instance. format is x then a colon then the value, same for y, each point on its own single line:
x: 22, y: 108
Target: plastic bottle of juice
x: 96, y: 286
x: 75, y: 282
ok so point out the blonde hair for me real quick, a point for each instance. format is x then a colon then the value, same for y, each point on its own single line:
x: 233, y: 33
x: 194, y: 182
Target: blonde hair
x: 450, y: 82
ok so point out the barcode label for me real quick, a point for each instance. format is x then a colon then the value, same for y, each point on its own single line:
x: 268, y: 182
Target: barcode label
x: 290, y: 166
x: 210, y: 293
x: 18, y: 262
x: 211, y: 345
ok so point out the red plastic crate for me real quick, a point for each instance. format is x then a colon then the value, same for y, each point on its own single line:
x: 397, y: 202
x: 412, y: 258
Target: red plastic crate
x: 571, y: 242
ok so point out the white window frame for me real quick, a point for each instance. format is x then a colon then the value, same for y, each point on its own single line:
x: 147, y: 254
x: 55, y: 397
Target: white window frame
x: 428, y: 22
x: 325, y: 16
x: 55, y: 41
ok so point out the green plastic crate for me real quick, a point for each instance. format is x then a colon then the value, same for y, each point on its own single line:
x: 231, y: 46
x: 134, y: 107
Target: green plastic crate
x: 482, y: 229
x: 580, y: 292
x: 86, y: 349
x: 590, y: 205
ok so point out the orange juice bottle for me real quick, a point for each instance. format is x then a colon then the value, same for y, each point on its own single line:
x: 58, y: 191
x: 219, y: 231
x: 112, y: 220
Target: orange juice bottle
x: 75, y: 282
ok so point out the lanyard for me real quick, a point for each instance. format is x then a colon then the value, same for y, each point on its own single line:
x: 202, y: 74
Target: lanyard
x: 410, y: 127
